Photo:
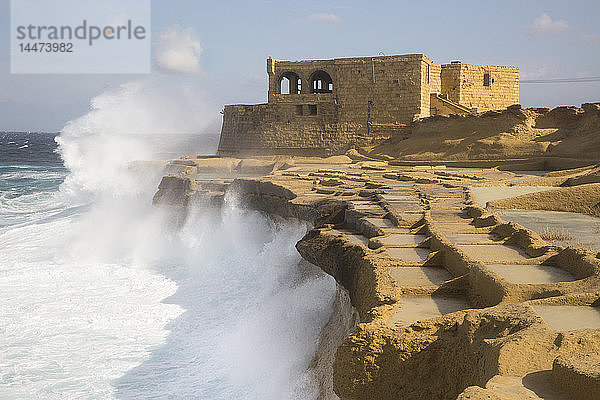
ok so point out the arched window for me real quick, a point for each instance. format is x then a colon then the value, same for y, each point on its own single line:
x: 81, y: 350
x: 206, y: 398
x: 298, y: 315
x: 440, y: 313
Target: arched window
x: 290, y: 83
x: 321, y: 82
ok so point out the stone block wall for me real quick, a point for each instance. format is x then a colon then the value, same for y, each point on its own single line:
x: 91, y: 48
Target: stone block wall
x: 451, y: 77
x: 431, y: 82
x: 281, y: 129
x: 392, y: 83
x: 326, y: 120
x: 435, y: 78
x: 483, y: 87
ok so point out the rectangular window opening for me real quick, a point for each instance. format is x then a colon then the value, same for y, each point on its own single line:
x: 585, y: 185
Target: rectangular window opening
x: 313, y: 109
x: 486, y: 79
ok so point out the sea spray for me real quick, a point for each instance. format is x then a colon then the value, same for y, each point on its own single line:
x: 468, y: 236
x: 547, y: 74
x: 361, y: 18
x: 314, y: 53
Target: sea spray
x: 252, y: 318
x: 104, y: 297
x: 126, y: 124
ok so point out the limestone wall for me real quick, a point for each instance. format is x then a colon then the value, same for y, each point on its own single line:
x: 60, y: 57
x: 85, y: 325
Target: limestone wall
x: 435, y: 78
x: 483, y: 87
x: 425, y: 89
x: 450, y: 81
x: 281, y: 129
x: 392, y: 83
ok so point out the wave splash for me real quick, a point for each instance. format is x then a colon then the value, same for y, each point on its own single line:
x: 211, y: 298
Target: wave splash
x: 108, y: 298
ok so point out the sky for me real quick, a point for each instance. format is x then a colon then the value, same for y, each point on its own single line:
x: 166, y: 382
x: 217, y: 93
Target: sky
x: 218, y: 48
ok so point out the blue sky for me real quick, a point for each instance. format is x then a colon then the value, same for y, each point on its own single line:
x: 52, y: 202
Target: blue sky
x: 546, y: 39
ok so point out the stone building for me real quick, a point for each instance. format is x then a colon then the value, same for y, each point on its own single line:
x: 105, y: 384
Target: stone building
x: 327, y: 106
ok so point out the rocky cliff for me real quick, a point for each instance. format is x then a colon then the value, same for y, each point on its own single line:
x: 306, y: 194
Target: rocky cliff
x: 569, y: 132
x: 424, y: 269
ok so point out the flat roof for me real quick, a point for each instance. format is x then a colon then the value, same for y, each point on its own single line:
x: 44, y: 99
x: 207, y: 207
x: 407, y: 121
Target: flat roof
x: 361, y: 58
x: 399, y: 57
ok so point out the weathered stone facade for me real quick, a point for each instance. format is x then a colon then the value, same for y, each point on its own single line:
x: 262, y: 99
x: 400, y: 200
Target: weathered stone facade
x: 327, y: 106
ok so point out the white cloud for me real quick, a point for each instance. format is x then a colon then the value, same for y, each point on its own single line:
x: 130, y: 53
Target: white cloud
x: 544, y: 25
x: 325, y: 17
x: 178, y: 51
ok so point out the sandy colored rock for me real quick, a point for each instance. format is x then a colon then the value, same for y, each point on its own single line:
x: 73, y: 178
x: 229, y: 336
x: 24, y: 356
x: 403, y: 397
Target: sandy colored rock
x: 579, y: 374
x: 514, y: 133
x: 500, y: 352
x: 478, y: 393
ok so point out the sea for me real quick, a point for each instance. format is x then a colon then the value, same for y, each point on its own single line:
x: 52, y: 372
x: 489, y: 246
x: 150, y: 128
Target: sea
x: 105, y: 296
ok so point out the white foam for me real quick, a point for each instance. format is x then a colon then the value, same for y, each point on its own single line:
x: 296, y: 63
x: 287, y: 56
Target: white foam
x: 109, y: 298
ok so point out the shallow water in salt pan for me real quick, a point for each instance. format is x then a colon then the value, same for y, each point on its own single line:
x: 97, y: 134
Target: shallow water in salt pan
x: 420, y: 276
x: 491, y: 193
x: 567, y: 318
x: 413, y: 309
x: 583, y: 229
x: 534, y: 274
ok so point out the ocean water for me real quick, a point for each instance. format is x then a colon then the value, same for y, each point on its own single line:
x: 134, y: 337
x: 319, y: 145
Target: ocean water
x: 104, y: 296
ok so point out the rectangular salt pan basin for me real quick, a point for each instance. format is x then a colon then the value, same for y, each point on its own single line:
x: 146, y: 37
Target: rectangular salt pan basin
x: 409, y: 254
x: 380, y: 222
x: 534, y: 274
x: 413, y: 309
x: 449, y: 215
x: 569, y: 318
x: 458, y: 227
x: 399, y: 239
x: 405, y: 205
x: 401, y: 197
x: 472, y: 238
x: 366, y: 206
x: 420, y: 276
x: 494, y: 252
x: 446, y: 202
x: 409, y: 217
x: 352, y: 237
